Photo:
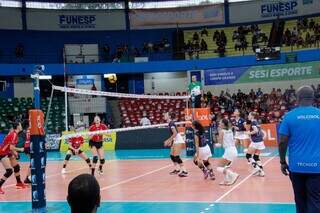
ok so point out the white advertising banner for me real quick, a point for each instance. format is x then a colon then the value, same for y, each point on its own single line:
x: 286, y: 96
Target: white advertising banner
x: 10, y: 18
x: 261, y: 10
x: 70, y: 20
x: 171, y: 17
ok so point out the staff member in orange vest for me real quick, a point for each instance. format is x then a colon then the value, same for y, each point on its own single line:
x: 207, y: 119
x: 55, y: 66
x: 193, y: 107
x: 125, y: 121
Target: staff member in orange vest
x: 96, y: 144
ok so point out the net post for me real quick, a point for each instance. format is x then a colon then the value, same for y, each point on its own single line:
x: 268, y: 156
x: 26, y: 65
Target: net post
x: 65, y: 90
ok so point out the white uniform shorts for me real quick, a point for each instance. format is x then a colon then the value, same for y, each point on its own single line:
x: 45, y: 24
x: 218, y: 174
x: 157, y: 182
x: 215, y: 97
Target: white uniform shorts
x: 178, y: 139
x: 241, y: 135
x: 205, y: 152
x: 258, y: 145
x: 230, y: 153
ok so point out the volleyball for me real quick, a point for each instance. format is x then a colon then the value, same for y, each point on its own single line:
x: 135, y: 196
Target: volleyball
x: 112, y: 78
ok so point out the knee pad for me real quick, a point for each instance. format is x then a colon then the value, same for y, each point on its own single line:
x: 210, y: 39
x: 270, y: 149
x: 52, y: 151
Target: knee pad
x: 16, y: 168
x: 68, y: 156
x: 95, y: 159
x: 173, y: 158
x: 178, y: 160
x: 206, y: 163
x: 256, y: 158
x: 8, y: 173
x: 248, y: 156
x: 102, y: 161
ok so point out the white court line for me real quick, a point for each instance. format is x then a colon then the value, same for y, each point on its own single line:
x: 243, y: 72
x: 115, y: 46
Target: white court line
x: 236, y: 186
x: 241, y: 182
x: 135, y: 178
x: 58, y: 174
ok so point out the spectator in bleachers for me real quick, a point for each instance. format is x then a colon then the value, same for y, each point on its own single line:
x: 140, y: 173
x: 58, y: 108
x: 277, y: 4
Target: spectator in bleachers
x: 203, y: 45
x: 311, y: 24
x: 223, y: 37
x: 136, y: 52
x: 195, y: 36
x: 205, y: 32
x: 145, y: 120
x: 259, y: 92
x: 216, y: 35
x: 106, y: 50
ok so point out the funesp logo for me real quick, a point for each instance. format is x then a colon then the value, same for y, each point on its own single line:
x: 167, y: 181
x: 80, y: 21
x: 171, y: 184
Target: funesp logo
x: 279, y: 8
x: 77, y: 21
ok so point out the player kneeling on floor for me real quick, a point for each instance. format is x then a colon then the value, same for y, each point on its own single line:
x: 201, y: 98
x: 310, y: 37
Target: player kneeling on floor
x: 75, y: 148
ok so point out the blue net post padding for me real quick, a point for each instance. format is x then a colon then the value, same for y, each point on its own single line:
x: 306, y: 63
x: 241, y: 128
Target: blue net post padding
x: 190, y: 148
x: 38, y: 160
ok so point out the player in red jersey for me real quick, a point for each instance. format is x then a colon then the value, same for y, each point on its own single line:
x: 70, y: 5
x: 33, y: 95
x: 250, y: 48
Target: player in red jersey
x: 26, y: 134
x: 7, y: 148
x: 96, y: 144
x: 75, y: 148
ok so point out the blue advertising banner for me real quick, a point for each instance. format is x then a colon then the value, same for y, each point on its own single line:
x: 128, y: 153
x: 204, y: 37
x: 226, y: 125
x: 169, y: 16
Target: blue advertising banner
x: 223, y: 76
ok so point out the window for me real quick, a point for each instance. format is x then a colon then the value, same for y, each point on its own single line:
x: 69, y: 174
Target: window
x: 75, y: 6
x: 10, y: 3
x: 172, y: 4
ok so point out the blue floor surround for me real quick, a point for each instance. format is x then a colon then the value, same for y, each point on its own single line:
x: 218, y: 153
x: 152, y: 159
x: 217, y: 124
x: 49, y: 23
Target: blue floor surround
x: 163, y: 207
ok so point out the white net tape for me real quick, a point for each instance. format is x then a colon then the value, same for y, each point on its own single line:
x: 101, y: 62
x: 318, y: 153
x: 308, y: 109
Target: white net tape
x: 118, y: 130
x: 114, y: 94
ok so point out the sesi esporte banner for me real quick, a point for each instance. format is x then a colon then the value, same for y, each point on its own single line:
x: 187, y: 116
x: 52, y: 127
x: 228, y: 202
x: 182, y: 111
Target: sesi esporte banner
x: 171, y: 17
x: 260, y: 10
x: 268, y: 73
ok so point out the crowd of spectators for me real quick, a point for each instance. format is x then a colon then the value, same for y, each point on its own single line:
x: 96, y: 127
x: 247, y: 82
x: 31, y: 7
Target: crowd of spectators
x: 270, y: 106
x: 147, y: 48
x: 305, y: 34
x: 239, y: 37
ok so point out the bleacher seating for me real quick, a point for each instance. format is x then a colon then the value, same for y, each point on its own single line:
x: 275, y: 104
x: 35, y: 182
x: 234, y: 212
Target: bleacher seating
x: 132, y: 110
x: 294, y: 24
x: 230, y: 47
x: 10, y: 108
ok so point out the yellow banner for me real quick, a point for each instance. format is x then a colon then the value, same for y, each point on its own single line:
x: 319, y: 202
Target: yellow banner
x: 109, y: 141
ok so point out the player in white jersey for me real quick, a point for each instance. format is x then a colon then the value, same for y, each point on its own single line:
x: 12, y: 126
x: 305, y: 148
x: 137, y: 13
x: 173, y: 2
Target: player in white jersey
x: 230, y: 153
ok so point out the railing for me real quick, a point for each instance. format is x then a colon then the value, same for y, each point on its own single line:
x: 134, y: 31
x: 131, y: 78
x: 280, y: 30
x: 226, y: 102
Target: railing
x: 152, y: 55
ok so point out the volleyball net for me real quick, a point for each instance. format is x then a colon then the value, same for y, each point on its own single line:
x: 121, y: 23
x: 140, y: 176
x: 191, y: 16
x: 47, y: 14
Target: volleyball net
x: 122, y: 111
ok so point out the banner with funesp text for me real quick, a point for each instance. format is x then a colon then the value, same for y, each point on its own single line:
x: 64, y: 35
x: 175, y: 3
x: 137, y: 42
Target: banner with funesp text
x: 261, y: 10
x: 267, y: 73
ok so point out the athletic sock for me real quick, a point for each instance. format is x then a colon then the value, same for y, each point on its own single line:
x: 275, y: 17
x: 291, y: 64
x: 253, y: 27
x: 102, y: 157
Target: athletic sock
x: 18, y: 179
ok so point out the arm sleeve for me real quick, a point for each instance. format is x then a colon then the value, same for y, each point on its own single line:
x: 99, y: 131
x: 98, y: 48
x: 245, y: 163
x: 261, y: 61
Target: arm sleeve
x: 284, y: 128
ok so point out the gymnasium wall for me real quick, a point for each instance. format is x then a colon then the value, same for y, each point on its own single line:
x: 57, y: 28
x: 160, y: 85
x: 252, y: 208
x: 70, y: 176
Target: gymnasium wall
x: 165, y: 82
x: 23, y: 87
